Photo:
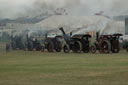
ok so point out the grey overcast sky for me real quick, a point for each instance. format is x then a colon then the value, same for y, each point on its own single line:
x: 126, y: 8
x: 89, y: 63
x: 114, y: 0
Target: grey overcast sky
x: 12, y: 8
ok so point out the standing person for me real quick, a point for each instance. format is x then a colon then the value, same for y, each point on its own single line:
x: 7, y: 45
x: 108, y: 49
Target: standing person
x: 7, y: 47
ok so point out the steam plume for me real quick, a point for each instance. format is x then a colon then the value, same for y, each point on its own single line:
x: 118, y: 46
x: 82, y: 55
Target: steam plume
x: 14, y: 8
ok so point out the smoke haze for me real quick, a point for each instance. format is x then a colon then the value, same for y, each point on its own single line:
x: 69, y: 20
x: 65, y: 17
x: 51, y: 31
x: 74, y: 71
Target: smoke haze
x: 21, y: 8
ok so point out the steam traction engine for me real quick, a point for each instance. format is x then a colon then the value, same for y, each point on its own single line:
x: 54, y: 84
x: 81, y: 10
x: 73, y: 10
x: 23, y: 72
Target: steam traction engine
x: 77, y: 43
x: 81, y: 43
x: 18, y: 42
x: 34, y: 44
x: 53, y: 43
x: 106, y: 43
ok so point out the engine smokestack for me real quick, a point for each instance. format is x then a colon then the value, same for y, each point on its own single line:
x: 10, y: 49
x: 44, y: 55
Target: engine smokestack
x: 97, y: 35
x: 62, y: 30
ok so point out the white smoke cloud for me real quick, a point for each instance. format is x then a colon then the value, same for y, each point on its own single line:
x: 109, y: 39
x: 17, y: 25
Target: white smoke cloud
x: 16, y: 8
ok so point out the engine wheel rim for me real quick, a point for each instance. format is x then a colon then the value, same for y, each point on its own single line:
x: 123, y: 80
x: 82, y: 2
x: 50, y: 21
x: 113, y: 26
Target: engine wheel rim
x: 77, y: 47
x: 93, y: 49
x: 105, y: 47
x: 50, y: 49
x: 66, y: 49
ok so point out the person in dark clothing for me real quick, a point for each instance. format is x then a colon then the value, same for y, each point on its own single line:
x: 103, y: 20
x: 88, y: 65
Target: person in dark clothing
x: 7, y: 47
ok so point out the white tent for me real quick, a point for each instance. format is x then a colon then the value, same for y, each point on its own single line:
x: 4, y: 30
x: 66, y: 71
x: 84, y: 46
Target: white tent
x: 77, y: 24
x: 80, y: 23
x: 72, y: 22
x: 115, y: 27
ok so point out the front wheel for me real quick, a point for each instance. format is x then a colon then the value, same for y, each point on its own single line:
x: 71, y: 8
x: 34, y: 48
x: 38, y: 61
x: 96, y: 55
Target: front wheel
x: 66, y: 48
x: 93, y: 49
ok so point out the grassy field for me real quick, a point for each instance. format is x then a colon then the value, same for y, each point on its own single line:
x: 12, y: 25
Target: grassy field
x: 37, y: 68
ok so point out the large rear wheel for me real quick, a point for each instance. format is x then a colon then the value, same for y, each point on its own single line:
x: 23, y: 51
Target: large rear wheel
x: 50, y: 47
x: 77, y: 47
x: 105, y: 46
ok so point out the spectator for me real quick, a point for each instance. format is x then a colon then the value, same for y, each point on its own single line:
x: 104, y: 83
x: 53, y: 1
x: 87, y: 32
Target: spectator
x: 7, y: 47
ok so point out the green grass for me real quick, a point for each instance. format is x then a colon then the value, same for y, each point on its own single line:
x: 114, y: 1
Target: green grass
x: 37, y: 68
